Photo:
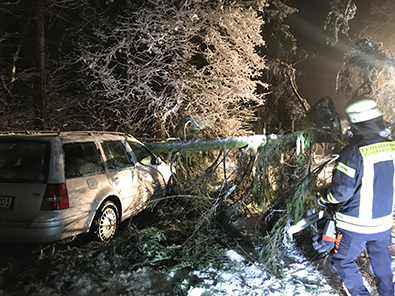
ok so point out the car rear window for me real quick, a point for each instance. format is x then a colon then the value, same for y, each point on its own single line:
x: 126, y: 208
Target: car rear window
x: 24, y: 161
x: 81, y: 159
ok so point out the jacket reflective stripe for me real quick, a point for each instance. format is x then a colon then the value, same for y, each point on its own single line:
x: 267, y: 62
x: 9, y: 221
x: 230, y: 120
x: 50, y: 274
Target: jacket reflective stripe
x: 329, y: 233
x: 330, y: 198
x: 348, y: 171
x: 345, y: 169
x: 377, y: 148
x: 369, y: 227
x: 364, y: 223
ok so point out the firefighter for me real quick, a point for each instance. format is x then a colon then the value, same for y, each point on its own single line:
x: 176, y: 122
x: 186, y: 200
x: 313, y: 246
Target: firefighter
x: 363, y: 191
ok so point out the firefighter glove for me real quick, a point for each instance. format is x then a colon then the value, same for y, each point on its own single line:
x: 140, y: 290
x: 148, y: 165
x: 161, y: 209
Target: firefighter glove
x: 325, y: 242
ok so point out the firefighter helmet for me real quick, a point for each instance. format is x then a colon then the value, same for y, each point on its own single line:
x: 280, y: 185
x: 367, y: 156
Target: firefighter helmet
x: 361, y: 109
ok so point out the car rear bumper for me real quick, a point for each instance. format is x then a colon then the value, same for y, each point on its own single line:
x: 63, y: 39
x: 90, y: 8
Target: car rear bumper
x: 19, y: 233
x: 36, y: 232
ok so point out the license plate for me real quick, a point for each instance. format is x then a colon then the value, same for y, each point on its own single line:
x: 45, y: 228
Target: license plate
x: 5, y: 202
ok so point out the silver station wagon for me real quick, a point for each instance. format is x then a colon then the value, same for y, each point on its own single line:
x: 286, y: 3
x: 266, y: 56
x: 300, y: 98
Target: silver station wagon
x: 58, y: 185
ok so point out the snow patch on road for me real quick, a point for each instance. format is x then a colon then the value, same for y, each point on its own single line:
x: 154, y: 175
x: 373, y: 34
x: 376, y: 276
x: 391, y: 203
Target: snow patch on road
x: 247, y: 278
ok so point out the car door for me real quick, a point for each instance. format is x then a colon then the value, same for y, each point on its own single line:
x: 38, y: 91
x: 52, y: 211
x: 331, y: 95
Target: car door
x: 152, y: 172
x: 122, y: 177
x: 85, y: 180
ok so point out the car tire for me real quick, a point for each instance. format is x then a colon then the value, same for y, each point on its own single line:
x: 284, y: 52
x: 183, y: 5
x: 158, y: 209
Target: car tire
x: 106, y: 222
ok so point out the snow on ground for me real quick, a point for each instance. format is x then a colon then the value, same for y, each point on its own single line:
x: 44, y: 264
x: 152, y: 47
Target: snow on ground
x: 237, y: 277
x: 95, y: 269
x: 253, y: 279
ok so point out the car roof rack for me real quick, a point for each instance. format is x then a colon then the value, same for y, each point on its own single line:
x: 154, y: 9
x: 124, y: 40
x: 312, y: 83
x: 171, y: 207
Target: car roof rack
x: 28, y: 132
x: 93, y: 133
x: 62, y: 133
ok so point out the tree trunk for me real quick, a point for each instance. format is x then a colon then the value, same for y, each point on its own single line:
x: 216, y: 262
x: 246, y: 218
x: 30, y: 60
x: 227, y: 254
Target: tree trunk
x: 41, y: 81
x: 253, y: 142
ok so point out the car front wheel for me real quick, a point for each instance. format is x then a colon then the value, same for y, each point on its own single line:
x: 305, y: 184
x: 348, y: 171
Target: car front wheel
x: 106, y: 222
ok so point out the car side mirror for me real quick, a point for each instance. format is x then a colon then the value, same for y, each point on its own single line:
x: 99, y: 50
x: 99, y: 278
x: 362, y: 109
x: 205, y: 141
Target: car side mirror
x: 158, y: 161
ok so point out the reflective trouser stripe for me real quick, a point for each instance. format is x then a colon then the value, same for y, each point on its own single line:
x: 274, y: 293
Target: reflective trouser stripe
x: 363, y: 225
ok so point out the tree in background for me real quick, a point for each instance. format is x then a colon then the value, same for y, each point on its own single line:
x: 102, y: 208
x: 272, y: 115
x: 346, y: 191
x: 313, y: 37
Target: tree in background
x: 141, y: 66
x: 160, y: 61
x: 283, y: 108
x: 39, y: 77
x: 379, y: 30
x: 369, y: 65
x: 23, y: 76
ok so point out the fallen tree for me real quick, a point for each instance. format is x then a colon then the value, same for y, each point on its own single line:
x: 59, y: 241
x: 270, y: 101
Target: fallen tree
x: 272, y: 177
x: 271, y: 173
x: 251, y: 142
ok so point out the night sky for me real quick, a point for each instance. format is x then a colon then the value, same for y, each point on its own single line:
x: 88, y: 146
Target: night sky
x: 317, y: 73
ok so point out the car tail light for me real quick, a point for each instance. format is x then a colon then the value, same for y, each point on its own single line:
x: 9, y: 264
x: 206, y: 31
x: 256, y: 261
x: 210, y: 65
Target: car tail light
x: 55, y: 197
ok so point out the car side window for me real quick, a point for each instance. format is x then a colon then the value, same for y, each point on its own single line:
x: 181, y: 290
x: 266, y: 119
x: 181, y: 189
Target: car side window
x: 142, y: 153
x: 116, y: 155
x: 81, y: 159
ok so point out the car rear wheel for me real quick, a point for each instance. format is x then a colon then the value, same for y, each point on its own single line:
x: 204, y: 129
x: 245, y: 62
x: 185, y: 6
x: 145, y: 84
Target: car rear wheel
x: 106, y: 222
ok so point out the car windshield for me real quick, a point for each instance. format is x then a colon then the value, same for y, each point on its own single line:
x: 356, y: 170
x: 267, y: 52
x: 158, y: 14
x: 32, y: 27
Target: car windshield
x: 24, y: 161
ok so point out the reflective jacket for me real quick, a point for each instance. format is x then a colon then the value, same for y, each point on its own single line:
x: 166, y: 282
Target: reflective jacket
x: 363, y: 183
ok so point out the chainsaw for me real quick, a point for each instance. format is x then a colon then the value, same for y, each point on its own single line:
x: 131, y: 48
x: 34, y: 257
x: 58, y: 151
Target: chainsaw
x: 303, y: 224
x: 290, y: 230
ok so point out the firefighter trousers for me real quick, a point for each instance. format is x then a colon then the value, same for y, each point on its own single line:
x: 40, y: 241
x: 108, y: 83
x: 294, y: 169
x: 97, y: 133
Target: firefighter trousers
x: 349, y: 245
